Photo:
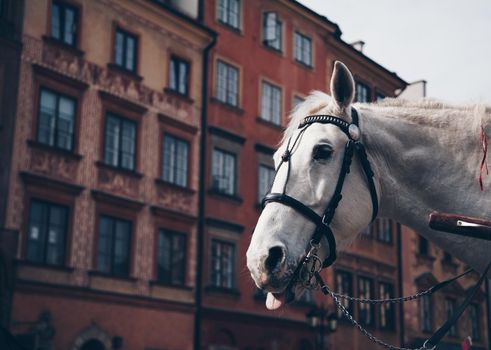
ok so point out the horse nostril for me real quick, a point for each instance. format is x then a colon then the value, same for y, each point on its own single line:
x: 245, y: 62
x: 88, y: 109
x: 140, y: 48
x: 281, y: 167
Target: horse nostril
x: 275, y: 258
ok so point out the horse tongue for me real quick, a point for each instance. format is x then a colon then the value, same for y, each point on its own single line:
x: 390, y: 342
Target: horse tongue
x: 273, y: 303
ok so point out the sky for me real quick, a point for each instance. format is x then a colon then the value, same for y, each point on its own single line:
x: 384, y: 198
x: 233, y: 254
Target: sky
x: 445, y: 42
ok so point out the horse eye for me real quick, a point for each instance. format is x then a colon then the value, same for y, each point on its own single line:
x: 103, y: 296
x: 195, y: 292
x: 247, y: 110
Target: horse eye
x: 322, y: 152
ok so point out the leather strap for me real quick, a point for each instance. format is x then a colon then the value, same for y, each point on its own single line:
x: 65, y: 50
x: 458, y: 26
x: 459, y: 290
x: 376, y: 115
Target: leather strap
x: 440, y: 333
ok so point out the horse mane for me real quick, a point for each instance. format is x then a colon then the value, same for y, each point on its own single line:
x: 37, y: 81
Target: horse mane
x: 424, y: 111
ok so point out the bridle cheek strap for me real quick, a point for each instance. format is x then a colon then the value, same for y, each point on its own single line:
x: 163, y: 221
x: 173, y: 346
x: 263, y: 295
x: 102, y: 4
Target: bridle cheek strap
x: 323, y: 222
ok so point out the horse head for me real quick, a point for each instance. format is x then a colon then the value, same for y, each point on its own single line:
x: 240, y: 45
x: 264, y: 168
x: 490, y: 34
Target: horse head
x: 315, y: 155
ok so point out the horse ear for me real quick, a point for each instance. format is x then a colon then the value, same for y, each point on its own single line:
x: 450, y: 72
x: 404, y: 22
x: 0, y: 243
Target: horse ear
x: 342, y: 85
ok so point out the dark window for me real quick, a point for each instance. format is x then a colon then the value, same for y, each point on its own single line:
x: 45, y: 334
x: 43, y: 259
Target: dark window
x: 227, y: 84
x: 2, y: 5
x: 222, y: 264
x: 362, y: 93
x: 387, y: 311
x: 229, y: 12
x: 426, y: 313
x: 266, y: 178
x: 272, y: 33
x: 271, y: 103
x: 423, y: 246
x: 344, y: 285
x: 307, y: 297
x: 447, y: 257
x: 383, y: 228
x: 47, y: 233
x: 223, y: 172
x: 179, y: 75
x: 171, y: 266
x: 64, y: 20
x: 449, y: 310
x: 120, y: 142
x: 303, y: 49
x: 380, y: 96
x: 114, y: 246
x: 175, y: 161
x: 125, y: 50
x: 474, y: 316
x: 366, y: 311
x: 56, y: 122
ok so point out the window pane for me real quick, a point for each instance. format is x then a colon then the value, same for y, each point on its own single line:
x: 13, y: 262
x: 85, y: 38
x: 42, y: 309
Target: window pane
x: 47, y: 118
x: 121, y: 247
x: 130, y: 53
x: 266, y: 177
x: 38, y: 223
x: 221, y: 82
x: 55, y: 21
x: 234, y: 14
x: 232, y: 86
x: 66, y: 117
x: 118, y: 50
x: 183, y: 78
x: 111, y: 148
x: 104, y: 248
x: 69, y: 26
x: 128, y: 144
x: 173, y: 74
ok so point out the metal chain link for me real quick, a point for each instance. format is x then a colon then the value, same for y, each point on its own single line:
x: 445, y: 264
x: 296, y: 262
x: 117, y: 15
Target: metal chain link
x: 387, y: 301
x: 355, y: 323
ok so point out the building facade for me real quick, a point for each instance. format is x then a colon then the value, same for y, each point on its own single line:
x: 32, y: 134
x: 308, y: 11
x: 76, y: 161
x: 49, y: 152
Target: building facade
x: 424, y: 265
x: 268, y: 57
x: 103, y: 180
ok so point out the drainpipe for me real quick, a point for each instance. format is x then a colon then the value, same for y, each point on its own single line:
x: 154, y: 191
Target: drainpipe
x: 400, y: 284
x: 201, y: 200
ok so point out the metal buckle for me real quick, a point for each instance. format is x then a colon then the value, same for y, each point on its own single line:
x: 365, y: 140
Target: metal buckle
x: 424, y: 346
x: 311, y: 264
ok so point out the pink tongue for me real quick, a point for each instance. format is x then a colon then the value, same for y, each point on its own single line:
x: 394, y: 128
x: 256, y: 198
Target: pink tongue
x: 272, y: 303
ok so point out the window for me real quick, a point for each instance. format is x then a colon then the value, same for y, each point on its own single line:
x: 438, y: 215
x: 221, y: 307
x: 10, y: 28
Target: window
x: 222, y: 264
x: 229, y: 12
x: 449, y: 310
x: 423, y: 246
x: 384, y: 230
x: 56, y: 122
x: 223, y: 172
x: 474, y: 319
x: 175, y: 161
x: 47, y: 233
x: 366, y: 311
x: 179, y: 76
x: 227, y: 84
x: 344, y: 285
x: 362, y: 93
x: 125, y: 50
x: 387, y: 311
x: 426, y: 313
x: 266, y: 178
x: 447, y: 258
x: 303, y: 49
x: 272, y: 33
x: 307, y: 297
x: 271, y: 103
x: 64, y: 20
x: 120, y: 142
x: 171, y: 257
x: 380, y: 96
x: 114, y: 246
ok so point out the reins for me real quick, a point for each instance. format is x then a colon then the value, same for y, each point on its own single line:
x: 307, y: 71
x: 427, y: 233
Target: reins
x: 308, y: 270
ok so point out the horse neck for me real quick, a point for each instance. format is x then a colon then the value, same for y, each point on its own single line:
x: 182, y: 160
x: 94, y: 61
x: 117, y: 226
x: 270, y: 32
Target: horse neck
x: 425, y: 160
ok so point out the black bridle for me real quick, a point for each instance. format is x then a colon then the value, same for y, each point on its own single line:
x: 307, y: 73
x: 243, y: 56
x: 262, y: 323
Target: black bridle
x: 323, y: 222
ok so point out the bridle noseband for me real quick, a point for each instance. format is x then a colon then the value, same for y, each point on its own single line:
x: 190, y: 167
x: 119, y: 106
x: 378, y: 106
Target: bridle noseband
x: 323, y: 222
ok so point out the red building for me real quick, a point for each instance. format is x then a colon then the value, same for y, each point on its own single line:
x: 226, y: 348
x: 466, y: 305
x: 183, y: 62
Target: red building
x: 103, y: 174
x: 269, y: 55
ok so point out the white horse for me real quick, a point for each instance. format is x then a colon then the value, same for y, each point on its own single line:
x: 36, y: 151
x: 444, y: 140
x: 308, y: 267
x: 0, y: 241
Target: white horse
x: 426, y: 156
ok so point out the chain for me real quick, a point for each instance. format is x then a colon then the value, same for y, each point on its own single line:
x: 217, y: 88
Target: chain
x: 355, y: 323
x: 387, y: 301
